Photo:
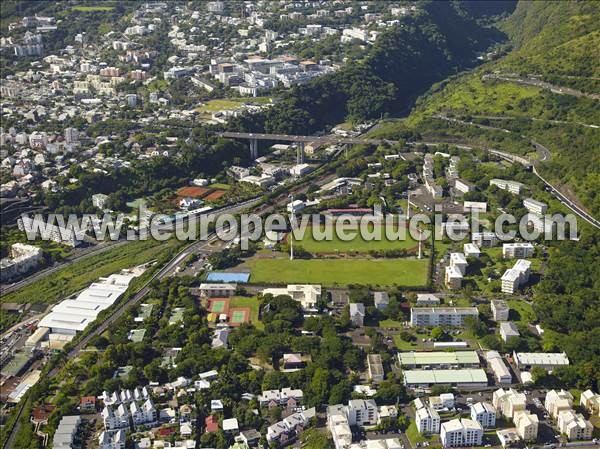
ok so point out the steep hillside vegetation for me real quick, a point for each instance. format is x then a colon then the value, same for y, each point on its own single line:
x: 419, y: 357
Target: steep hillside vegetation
x: 558, y: 42
x: 437, y: 41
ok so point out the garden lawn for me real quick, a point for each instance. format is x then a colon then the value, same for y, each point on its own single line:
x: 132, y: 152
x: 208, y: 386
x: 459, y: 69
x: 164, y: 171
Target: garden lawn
x: 405, y: 272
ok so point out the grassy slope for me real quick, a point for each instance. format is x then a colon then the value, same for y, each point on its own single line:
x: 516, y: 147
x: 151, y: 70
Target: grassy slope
x: 558, y: 41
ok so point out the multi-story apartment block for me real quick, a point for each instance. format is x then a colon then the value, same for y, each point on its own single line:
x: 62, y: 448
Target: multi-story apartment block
x: 112, y: 439
x: 459, y: 261
x: 517, y: 250
x: 534, y: 206
x: 441, y: 316
x: 427, y: 420
x: 591, y: 401
x: 484, y: 413
x: 453, y: 278
x: 361, y: 412
x: 508, y: 402
x: 115, y: 419
x: 574, y: 426
x: 516, y: 276
x: 500, y: 310
x: 461, y: 432
x: 146, y: 414
x: 558, y: 401
x: 485, y: 239
x: 504, y: 184
x: 526, y: 424
x: 508, y: 330
x: 23, y: 258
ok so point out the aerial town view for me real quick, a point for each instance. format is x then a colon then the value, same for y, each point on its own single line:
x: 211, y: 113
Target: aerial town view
x: 329, y: 224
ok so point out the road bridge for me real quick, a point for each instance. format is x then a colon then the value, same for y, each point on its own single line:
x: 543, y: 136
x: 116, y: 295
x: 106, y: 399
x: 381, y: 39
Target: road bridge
x: 330, y: 139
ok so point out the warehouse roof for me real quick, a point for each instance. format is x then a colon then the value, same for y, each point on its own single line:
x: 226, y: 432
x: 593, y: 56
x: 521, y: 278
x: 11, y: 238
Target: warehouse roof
x: 445, y: 376
x: 541, y: 358
x: 438, y: 358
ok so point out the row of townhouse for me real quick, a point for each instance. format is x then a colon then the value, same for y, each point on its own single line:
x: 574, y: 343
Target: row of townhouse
x: 119, y: 418
x: 125, y: 396
x: 286, y: 430
x: 287, y: 397
x: 560, y: 406
x: 512, y: 405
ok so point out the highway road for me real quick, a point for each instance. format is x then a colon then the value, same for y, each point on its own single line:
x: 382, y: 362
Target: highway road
x: 542, y: 84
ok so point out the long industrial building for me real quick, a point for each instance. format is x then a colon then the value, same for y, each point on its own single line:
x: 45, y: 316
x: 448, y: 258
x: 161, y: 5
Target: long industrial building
x: 73, y: 315
x: 467, y: 378
x: 439, y: 359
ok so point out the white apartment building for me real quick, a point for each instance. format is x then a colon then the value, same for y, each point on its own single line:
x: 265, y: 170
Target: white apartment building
x: 558, y: 401
x: 508, y: 402
x: 338, y: 425
x: 527, y: 425
x: 534, y: 206
x: 146, y: 414
x: 22, y: 259
x: 484, y: 239
x: 362, y: 412
x: 453, y: 278
x: 459, y: 261
x: 427, y: 420
x: 441, y: 316
x: 574, y: 426
x: 306, y: 294
x: 516, y: 276
x: 484, y: 413
x: 512, y: 186
x: 112, y: 439
x: 115, y: 419
x: 591, y: 401
x: 517, y: 250
x: 471, y: 250
x: 500, y: 310
x: 461, y: 432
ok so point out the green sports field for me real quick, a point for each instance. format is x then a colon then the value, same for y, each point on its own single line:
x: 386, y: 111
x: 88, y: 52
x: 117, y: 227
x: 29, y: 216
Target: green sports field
x: 252, y: 304
x: 357, y: 244
x: 405, y: 272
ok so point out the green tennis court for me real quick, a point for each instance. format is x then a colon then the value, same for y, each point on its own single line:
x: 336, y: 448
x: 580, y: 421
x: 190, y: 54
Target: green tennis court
x: 218, y: 306
x: 239, y: 316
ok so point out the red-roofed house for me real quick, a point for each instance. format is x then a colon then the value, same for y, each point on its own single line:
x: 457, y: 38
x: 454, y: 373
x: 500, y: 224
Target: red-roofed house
x: 165, y: 431
x: 212, y: 424
x: 40, y: 414
x: 88, y: 403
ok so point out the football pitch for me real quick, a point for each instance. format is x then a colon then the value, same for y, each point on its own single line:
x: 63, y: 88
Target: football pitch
x: 358, y: 244
x: 328, y: 272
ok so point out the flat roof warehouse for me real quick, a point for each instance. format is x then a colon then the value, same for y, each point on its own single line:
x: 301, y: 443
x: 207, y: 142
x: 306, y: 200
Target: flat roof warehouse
x: 73, y: 315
